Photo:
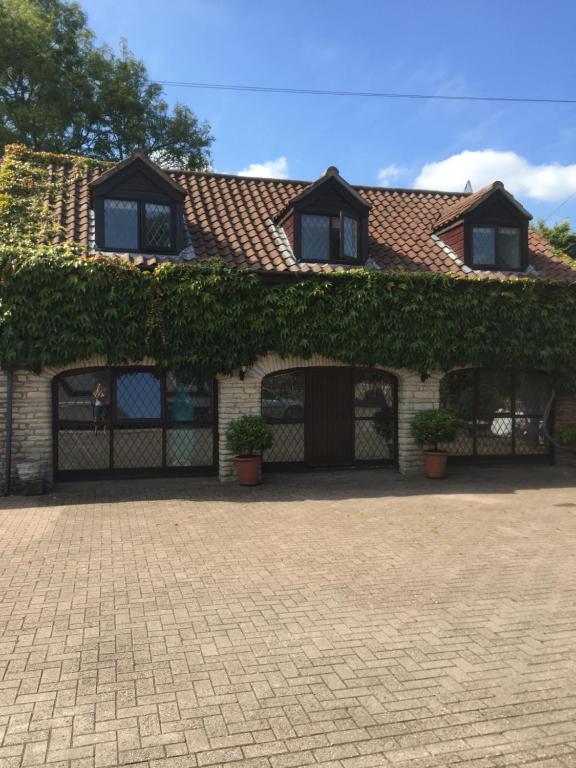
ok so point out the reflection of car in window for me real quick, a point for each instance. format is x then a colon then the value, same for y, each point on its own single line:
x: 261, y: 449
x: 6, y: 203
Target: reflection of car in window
x: 525, y: 426
x: 277, y: 406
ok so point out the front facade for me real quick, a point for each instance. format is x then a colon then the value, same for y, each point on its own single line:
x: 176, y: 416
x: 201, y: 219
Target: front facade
x: 93, y: 420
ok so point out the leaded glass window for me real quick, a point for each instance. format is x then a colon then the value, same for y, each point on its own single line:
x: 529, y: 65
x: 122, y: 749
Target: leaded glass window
x: 484, y: 246
x: 315, y: 238
x: 133, y: 225
x: 157, y: 226
x: 350, y: 238
x: 121, y: 224
x: 497, y: 247
x: 329, y: 238
x: 509, y: 247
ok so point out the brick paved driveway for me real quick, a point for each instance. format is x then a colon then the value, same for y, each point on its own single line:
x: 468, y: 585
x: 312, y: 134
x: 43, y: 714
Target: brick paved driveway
x: 354, y: 619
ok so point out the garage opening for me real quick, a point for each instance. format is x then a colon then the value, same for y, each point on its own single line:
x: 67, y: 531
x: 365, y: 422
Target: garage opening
x: 502, y: 415
x: 331, y: 417
x: 132, y: 421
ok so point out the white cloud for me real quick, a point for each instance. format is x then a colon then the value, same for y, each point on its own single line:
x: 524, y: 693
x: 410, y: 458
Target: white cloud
x: 550, y: 182
x: 271, y: 169
x: 385, y: 175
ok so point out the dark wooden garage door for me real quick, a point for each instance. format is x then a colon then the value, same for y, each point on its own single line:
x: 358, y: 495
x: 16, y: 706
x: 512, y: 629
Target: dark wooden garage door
x: 329, y: 417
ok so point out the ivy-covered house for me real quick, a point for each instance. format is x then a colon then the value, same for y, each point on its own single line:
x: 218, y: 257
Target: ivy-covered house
x: 144, y: 309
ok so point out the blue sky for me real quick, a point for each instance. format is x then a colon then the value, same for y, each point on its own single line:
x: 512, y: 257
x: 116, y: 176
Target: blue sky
x: 497, y: 47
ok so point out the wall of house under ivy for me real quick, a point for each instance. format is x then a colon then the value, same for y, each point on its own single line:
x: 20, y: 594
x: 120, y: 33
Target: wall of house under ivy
x: 57, y: 306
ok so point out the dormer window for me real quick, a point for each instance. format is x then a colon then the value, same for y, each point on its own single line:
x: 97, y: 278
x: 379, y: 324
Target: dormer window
x: 328, y: 222
x: 133, y: 225
x: 329, y: 238
x: 138, y: 208
x: 497, y: 248
x: 487, y: 229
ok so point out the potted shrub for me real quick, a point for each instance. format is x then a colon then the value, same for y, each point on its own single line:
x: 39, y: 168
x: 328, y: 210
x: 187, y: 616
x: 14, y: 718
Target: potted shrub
x: 248, y: 436
x: 429, y: 429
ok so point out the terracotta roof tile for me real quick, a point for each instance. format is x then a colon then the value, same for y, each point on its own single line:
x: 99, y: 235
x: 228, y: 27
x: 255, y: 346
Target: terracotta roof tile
x: 232, y: 218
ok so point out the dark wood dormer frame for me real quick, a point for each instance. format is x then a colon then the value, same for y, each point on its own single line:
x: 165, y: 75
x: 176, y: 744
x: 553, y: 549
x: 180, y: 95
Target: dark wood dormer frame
x: 139, y: 180
x: 497, y: 208
x: 494, y: 213
x: 330, y: 196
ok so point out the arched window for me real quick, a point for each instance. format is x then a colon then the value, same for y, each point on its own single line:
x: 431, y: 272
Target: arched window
x: 132, y: 421
x: 330, y: 416
x: 502, y: 413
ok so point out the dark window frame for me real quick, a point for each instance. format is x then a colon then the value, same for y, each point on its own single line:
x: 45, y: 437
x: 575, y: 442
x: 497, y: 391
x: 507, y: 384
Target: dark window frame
x: 114, y: 423
x: 513, y: 456
x: 341, y: 215
x: 100, y: 213
x: 497, y: 266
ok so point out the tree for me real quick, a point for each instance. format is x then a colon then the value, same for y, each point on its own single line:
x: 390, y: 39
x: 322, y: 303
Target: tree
x: 59, y: 92
x: 560, y: 236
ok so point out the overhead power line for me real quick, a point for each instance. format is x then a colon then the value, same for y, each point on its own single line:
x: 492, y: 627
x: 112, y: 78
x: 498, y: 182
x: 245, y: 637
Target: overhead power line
x: 367, y: 94
x: 562, y: 204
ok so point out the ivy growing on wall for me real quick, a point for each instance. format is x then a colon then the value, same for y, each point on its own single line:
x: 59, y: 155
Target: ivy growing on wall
x: 58, y: 307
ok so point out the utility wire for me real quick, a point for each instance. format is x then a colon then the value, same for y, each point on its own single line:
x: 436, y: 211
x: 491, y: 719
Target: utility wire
x: 370, y: 94
x: 563, y: 203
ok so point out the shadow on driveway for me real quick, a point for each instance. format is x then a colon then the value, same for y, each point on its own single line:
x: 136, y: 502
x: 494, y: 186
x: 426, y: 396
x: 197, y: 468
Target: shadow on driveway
x: 314, y: 486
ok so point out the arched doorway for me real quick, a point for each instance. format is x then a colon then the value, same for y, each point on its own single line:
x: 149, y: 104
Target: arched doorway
x: 331, y: 417
x: 502, y: 414
x: 132, y: 421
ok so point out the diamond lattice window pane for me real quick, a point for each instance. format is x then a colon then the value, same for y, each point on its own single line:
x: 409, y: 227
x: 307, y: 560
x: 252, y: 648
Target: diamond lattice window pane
x: 138, y: 448
x: 121, y: 224
x: 373, y: 395
x: 532, y: 393
x: 157, y: 226
x: 287, y: 443
x: 529, y: 437
x: 457, y: 394
x: 84, y: 448
x: 138, y: 396
x: 78, y: 394
x: 463, y: 443
x: 483, y: 244
x: 188, y: 401
x: 283, y: 397
x: 494, y: 394
x: 350, y: 242
x: 374, y: 439
x: 189, y: 446
x: 509, y: 248
x: 315, y: 237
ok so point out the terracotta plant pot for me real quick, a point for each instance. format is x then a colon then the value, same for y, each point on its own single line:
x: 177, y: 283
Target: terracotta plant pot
x: 435, y: 464
x: 248, y: 469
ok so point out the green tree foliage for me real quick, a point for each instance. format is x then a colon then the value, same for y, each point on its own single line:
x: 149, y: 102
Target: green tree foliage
x: 560, y: 236
x: 59, y: 92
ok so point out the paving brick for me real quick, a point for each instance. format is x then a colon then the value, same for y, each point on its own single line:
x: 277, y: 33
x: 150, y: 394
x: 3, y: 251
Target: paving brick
x: 343, y: 619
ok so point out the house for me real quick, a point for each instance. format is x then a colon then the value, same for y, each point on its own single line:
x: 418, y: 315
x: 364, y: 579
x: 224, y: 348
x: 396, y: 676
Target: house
x: 92, y: 420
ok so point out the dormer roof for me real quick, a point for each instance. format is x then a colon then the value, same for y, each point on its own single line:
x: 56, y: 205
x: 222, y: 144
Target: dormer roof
x: 330, y: 179
x: 457, y: 210
x: 139, y: 162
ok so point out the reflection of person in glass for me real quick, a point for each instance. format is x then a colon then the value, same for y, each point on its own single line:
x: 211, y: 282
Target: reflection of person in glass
x: 99, y: 407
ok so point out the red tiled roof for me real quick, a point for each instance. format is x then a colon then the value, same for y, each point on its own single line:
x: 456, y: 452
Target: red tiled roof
x: 232, y: 218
